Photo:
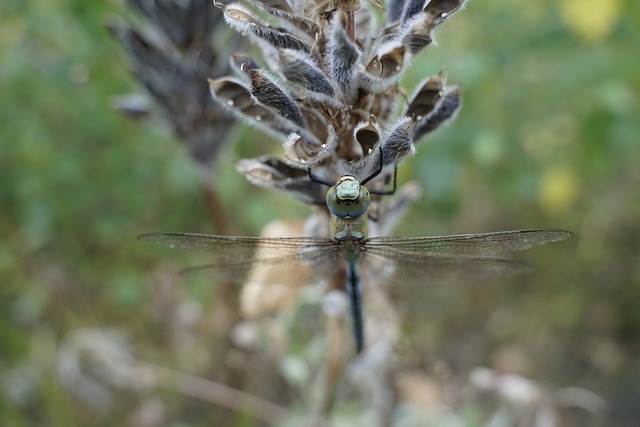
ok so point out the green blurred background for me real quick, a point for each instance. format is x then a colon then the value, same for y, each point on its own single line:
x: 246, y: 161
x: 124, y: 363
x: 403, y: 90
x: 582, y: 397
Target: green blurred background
x: 548, y: 136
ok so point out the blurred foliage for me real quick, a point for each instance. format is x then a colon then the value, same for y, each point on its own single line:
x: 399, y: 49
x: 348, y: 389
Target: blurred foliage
x: 548, y: 136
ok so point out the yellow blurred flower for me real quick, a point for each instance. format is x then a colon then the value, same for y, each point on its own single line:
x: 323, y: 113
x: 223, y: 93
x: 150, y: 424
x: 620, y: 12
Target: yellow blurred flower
x: 591, y: 20
x: 559, y: 188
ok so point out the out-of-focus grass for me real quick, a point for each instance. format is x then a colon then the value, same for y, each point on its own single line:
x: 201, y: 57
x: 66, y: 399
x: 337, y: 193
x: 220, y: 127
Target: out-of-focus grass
x: 547, y: 137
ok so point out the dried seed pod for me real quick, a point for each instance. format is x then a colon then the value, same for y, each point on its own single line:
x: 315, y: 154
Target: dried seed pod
x: 343, y: 58
x: 398, y: 142
x: 441, y: 10
x: 231, y: 93
x: 300, y: 70
x: 273, y: 173
x: 316, y: 124
x: 412, y: 8
x: 290, y: 20
x: 239, y: 58
x: 443, y: 111
x: 426, y: 98
x: 367, y: 135
x: 417, y: 34
x: 418, y: 25
x: 387, y: 62
x: 385, y: 69
x: 266, y: 92
x: 235, y: 98
x: 300, y: 151
x: 246, y: 23
x: 304, y: 153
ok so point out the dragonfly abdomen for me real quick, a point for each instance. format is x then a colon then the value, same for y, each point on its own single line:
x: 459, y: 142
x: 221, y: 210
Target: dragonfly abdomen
x: 355, y: 302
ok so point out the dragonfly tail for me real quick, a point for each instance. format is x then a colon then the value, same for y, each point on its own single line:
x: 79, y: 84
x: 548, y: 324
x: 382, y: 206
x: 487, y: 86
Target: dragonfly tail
x: 355, y: 302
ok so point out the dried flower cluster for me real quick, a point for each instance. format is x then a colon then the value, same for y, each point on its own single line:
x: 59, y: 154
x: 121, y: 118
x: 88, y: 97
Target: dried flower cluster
x: 174, y: 48
x: 328, y: 86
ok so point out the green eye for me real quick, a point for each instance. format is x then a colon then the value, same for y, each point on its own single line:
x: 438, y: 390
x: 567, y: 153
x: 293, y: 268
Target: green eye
x: 348, y: 198
x: 336, y: 207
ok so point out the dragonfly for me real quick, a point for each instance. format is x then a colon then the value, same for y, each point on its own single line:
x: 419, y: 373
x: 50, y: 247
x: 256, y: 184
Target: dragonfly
x: 348, y: 250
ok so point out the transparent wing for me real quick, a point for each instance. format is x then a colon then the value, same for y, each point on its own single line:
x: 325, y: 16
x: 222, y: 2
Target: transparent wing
x: 232, y: 257
x: 443, y: 259
x: 483, y: 244
x: 236, y: 247
x: 437, y: 270
x: 410, y: 260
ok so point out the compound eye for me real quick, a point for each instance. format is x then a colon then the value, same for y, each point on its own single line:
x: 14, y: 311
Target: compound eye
x: 361, y: 204
x: 336, y: 206
x: 351, y: 208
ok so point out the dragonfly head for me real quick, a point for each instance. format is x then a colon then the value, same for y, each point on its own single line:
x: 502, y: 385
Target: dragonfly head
x: 348, y: 199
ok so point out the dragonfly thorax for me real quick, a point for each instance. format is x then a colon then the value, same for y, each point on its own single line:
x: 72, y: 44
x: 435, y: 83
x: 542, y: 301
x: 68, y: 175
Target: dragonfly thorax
x: 348, y: 199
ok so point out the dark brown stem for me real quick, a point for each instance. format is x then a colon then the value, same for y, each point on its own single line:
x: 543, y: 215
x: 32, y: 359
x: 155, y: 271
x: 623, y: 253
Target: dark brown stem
x: 214, y: 206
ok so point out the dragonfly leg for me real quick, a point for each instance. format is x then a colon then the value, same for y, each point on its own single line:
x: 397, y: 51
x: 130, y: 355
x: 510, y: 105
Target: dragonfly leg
x: 377, y: 172
x: 388, y: 192
x: 318, y: 180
